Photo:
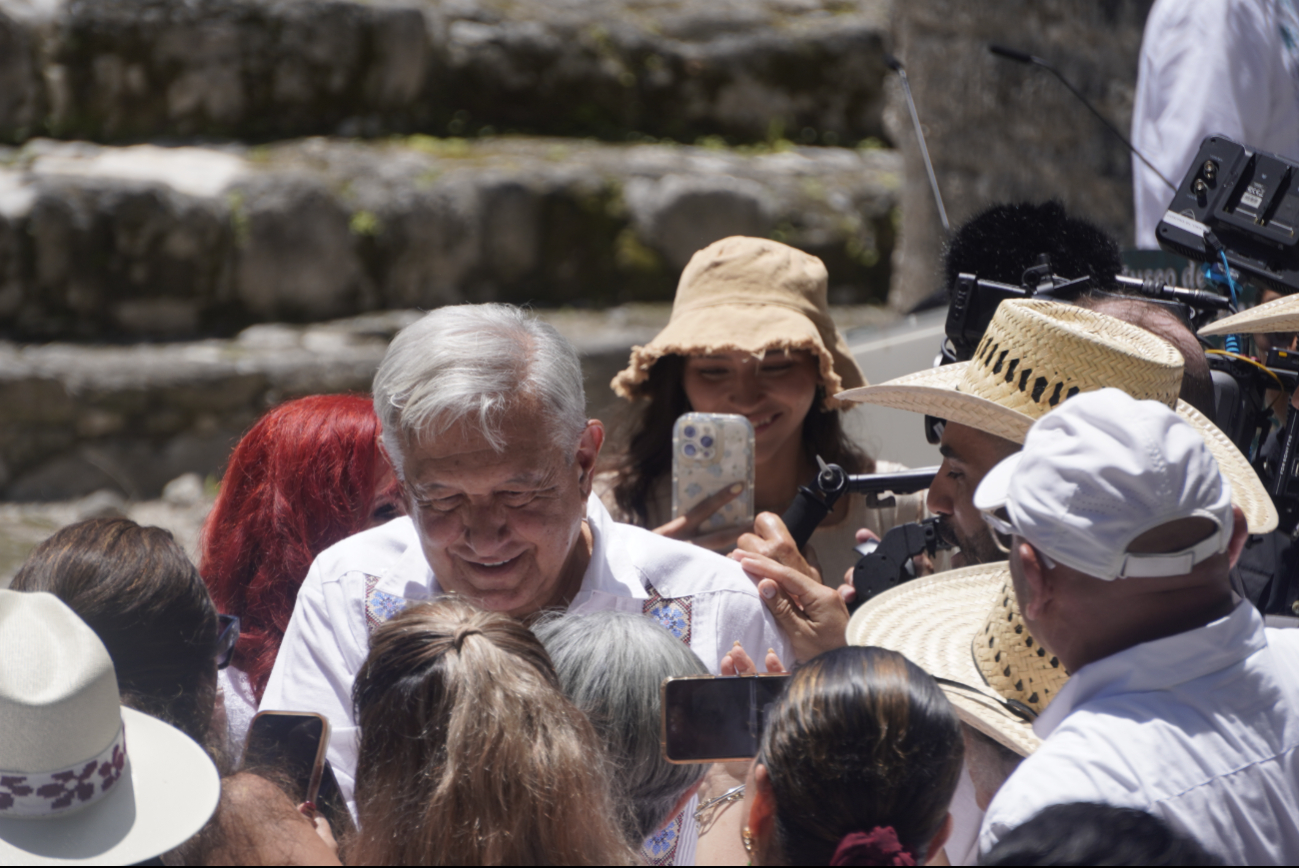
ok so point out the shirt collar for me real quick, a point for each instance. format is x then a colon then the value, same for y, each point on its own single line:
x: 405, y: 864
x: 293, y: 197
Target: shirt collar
x: 1161, y: 664
x: 600, y: 577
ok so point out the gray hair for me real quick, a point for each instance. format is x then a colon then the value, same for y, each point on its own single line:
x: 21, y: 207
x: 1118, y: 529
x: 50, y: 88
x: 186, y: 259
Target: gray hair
x: 611, y: 665
x: 476, y: 361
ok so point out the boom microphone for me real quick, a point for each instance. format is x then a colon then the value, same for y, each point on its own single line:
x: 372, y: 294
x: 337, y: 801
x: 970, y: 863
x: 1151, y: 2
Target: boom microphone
x: 896, y: 65
x: 1029, y: 59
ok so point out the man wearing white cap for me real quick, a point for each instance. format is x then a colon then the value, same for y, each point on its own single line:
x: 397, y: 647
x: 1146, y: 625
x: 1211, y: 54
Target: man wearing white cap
x: 1122, y: 533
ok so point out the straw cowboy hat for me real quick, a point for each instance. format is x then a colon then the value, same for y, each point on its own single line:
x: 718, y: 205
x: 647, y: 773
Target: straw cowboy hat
x: 1278, y: 315
x: 69, y: 790
x: 964, y: 628
x: 751, y: 295
x: 1036, y: 354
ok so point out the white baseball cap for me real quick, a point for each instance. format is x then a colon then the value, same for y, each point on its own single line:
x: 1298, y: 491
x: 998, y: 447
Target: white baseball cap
x: 1098, y: 472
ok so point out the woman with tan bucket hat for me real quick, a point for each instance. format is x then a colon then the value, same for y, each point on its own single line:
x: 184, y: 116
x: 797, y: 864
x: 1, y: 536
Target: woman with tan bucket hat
x: 750, y: 334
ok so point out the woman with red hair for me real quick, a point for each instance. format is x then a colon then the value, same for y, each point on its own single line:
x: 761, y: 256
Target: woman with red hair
x: 307, y: 475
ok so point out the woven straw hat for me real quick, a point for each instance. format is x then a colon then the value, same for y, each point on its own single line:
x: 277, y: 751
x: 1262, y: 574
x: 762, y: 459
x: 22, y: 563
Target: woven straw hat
x: 964, y: 626
x: 1278, y: 315
x: 83, y: 780
x: 1036, y: 354
x: 750, y: 295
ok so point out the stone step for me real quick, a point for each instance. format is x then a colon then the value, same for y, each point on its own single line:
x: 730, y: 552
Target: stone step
x: 132, y: 70
x: 147, y: 242
x: 76, y: 419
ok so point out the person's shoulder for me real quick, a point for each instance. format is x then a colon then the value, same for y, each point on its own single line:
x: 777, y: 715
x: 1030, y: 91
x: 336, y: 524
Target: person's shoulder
x: 371, y: 551
x: 674, y: 568
x: 1064, y: 769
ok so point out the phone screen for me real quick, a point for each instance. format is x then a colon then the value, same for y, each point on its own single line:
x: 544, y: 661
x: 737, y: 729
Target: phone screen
x: 290, y: 748
x: 716, y: 719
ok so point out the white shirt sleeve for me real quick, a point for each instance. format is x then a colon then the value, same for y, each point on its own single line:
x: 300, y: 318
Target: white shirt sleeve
x: 1206, y: 67
x: 742, y: 617
x: 317, y: 663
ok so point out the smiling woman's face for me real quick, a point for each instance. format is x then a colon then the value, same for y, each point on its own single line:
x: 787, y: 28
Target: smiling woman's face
x: 774, y: 393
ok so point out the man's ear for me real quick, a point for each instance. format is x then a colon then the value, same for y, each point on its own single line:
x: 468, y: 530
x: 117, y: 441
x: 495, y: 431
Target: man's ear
x: 588, y: 452
x: 1035, y: 582
x: 396, y: 470
x: 1239, y: 535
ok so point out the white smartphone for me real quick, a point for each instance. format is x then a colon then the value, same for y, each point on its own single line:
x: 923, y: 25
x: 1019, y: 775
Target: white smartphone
x: 710, y: 452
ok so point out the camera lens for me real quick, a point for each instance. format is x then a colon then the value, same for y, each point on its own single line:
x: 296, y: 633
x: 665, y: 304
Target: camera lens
x: 689, y: 431
x: 690, y: 450
x: 706, y: 441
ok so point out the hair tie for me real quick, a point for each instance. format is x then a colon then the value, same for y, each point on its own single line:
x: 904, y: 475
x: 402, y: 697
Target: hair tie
x: 878, y: 847
x: 462, y: 634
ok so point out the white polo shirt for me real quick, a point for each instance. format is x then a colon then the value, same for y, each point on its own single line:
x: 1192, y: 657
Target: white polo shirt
x: 704, y: 599
x: 1200, y: 729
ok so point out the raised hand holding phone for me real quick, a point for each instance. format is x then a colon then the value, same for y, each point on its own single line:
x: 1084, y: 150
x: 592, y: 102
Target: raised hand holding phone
x: 712, y: 480
x: 709, y: 718
x: 289, y: 748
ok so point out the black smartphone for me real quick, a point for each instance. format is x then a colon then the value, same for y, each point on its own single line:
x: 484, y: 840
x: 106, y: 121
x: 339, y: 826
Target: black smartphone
x: 288, y: 748
x: 709, y: 718
x: 331, y: 804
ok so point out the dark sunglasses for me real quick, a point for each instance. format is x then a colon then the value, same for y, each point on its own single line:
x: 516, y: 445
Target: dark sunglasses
x: 227, y: 638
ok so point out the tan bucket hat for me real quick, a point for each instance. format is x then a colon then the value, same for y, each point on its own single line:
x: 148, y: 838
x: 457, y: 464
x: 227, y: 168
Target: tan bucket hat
x: 83, y: 780
x: 964, y: 628
x: 750, y: 295
x: 1278, y: 315
x: 1036, y: 354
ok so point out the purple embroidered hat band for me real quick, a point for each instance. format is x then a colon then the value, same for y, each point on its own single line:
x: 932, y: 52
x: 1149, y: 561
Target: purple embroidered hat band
x: 46, y: 794
x: 68, y: 793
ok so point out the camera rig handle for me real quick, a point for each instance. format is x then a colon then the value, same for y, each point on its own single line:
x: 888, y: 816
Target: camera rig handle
x: 886, y: 566
x: 814, y: 501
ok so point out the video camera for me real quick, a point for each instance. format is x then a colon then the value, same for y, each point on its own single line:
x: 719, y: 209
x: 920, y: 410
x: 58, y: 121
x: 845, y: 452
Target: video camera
x: 1235, y: 208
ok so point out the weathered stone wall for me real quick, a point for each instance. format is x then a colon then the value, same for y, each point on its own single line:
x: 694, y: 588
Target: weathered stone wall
x: 122, y: 70
x: 151, y: 242
x: 1001, y: 131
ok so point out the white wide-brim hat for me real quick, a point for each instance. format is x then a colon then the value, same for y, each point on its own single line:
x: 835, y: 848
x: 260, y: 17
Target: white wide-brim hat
x: 1036, y: 354
x: 83, y: 780
x: 170, y: 793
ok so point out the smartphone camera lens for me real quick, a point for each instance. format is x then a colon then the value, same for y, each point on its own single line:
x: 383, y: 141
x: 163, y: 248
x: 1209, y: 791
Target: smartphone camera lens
x: 706, y: 441
x: 689, y: 431
x: 689, y: 449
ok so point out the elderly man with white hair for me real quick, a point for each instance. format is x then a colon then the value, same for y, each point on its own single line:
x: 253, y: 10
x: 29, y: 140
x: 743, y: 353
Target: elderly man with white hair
x: 483, y: 415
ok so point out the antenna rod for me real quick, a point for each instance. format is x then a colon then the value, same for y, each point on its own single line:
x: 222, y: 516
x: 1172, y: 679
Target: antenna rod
x: 896, y: 65
x: 1026, y: 58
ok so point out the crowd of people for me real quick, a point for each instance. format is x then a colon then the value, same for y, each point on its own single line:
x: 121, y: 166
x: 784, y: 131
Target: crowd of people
x: 483, y: 600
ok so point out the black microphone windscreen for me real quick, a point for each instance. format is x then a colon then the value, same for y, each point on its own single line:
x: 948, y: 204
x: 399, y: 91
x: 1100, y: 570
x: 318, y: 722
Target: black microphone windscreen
x: 1010, y: 53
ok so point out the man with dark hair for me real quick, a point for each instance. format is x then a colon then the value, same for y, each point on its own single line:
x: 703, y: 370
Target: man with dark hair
x: 1090, y: 833
x: 1159, y: 319
x: 1003, y: 241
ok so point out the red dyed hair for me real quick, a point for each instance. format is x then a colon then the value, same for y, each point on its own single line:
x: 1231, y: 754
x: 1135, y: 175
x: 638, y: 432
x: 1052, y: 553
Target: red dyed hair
x: 299, y: 481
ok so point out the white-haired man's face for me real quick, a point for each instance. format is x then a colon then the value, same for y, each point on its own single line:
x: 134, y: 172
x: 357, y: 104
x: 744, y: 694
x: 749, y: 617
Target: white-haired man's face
x: 504, y: 528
